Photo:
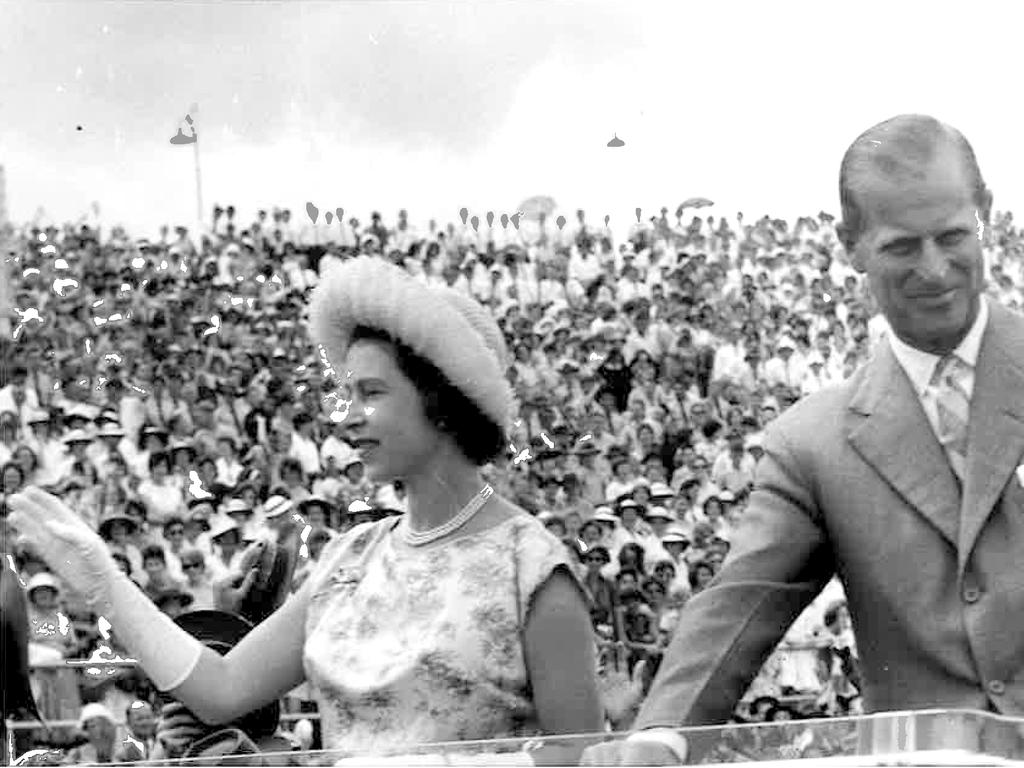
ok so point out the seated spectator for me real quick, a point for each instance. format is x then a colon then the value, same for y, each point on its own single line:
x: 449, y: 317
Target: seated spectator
x: 701, y: 574
x: 140, y: 738
x: 733, y: 470
x: 97, y: 723
x: 173, y: 601
x: 160, y: 491
x: 116, y: 528
x: 242, y: 513
x: 226, y: 536
x: 229, y: 468
x: 591, y: 535
x: 624, y: 480
x: 197, y: 526
x: 315, y: 510
x: 158, y: 578
x: 198, y: 582
x: 639, y: 622
x: 303, y: 448
x: 293, y: 479
x: 173, y: 539
x: 603, y: 594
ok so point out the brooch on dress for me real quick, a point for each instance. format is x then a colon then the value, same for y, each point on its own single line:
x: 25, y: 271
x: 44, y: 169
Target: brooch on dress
x: 347, y: 576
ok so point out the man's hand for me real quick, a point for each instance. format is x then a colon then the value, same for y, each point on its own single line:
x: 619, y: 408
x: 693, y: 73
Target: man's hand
x: 629, y: 753
x: 621, y: 692
x: 178, y: 728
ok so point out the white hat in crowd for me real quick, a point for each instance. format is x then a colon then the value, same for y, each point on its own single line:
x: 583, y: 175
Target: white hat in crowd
x: 93, y: 711
x: 276, y: 506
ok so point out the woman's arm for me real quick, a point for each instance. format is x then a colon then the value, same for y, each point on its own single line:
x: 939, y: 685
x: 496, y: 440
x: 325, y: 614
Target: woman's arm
x: 265, y: 665
x: 559, y: 645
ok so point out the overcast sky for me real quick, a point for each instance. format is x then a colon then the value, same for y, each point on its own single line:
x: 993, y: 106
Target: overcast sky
x: 436, y: 105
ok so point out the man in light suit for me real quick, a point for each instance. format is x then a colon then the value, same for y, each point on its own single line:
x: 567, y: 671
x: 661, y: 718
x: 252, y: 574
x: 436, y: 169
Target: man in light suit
x: 902, y: 479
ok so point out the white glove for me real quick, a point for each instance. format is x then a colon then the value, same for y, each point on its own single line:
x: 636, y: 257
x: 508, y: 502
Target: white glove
x: 77, y: 554
x: 68, y: 546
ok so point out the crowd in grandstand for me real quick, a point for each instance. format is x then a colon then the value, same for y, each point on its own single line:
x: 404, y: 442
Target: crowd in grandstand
x: 168, y: 391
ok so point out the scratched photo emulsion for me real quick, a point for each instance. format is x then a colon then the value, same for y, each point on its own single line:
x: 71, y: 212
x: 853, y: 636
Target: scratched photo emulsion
x: 566, y: 383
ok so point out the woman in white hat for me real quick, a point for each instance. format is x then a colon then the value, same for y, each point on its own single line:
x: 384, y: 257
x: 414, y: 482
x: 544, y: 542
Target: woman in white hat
x: 51, y: 639
x: 98, y: 724
x: 493, y: 628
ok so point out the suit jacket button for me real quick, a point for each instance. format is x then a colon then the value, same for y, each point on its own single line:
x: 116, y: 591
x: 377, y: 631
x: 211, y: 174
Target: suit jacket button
x: 971, y: 594
x: 996, y: 687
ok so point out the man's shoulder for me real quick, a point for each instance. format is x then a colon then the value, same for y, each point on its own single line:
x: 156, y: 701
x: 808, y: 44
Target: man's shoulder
x: 821, y: 411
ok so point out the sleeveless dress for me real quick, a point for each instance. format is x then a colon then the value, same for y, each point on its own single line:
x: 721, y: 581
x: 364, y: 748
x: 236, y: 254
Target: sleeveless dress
x: 407, y: 646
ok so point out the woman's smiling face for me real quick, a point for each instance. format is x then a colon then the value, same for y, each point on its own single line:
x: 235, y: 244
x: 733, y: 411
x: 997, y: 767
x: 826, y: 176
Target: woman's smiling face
x: 386, y: 420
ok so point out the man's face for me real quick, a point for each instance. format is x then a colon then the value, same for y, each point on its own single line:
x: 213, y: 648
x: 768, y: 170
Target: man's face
x: 141, y: 720
x: 98, y: 730
x: 921, y: 252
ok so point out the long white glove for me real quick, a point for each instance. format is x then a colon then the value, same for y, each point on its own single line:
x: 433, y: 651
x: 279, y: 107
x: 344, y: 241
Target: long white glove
x: 77, y: 554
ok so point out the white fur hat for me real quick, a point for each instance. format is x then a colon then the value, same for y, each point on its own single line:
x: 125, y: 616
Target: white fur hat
x: 441, y: 324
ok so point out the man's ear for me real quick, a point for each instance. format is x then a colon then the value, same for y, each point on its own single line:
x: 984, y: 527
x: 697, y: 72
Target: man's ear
x: 985, y: 207
x: 849, y: 241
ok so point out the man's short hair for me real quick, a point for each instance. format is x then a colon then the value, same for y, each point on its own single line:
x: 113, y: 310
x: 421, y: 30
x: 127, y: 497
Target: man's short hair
x: 154, y: 552
x: 900, y: 148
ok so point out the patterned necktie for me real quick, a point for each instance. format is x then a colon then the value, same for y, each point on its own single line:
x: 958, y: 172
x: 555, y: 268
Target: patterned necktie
x: 953, y: 406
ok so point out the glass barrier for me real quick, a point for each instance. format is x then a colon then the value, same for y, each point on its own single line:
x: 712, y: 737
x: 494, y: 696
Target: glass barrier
x: 938, y: 737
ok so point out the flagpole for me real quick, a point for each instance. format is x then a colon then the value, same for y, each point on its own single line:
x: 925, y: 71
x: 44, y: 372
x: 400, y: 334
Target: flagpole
x: 199, y: 190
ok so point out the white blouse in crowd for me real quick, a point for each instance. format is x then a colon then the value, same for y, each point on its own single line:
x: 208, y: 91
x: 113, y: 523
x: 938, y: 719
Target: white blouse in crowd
x: 407, y: 646
x: 162, y: 500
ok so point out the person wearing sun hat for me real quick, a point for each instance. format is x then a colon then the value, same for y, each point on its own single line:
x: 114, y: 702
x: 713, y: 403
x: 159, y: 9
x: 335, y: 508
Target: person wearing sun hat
x: 197, y: 524
x: 226, y: 537
x: 316, y: 511
x: 423, y: 370
x: 97, y: 722
x: 108, y: 438
x: 242, y: 513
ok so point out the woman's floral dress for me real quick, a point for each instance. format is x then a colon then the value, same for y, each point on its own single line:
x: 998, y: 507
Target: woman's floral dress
x: 409, y: 646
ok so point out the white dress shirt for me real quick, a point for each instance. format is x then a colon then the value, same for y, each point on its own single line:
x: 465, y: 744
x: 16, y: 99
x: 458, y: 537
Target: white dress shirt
x: 919, y: 366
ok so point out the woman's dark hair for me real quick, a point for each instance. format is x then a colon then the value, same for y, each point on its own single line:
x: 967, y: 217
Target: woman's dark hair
x: 160, y: 457
x: 154, y: 551
x: 21, y: 474
x: 85, y: 467
x: 446, y: 407
x: 172, y: 521
x: 123, y: 559
x: 652, y: 583
x: 694, y: 570
x: 144, y: 438
x: 638, y: 552
x: 290, y: 465
x: 712, y: 499
x: 626, y: 572
x: 25, y: 449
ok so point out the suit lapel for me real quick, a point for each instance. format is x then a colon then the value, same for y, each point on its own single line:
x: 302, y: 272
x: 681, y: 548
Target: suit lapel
x: 892, y: 433
x: 995, y: 432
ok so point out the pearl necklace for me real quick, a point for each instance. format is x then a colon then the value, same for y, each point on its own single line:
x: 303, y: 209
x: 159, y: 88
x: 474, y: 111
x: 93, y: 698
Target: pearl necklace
x: 420, y: 538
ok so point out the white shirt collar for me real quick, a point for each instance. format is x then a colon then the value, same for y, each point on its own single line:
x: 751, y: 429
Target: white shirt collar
x: 920, y: 366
